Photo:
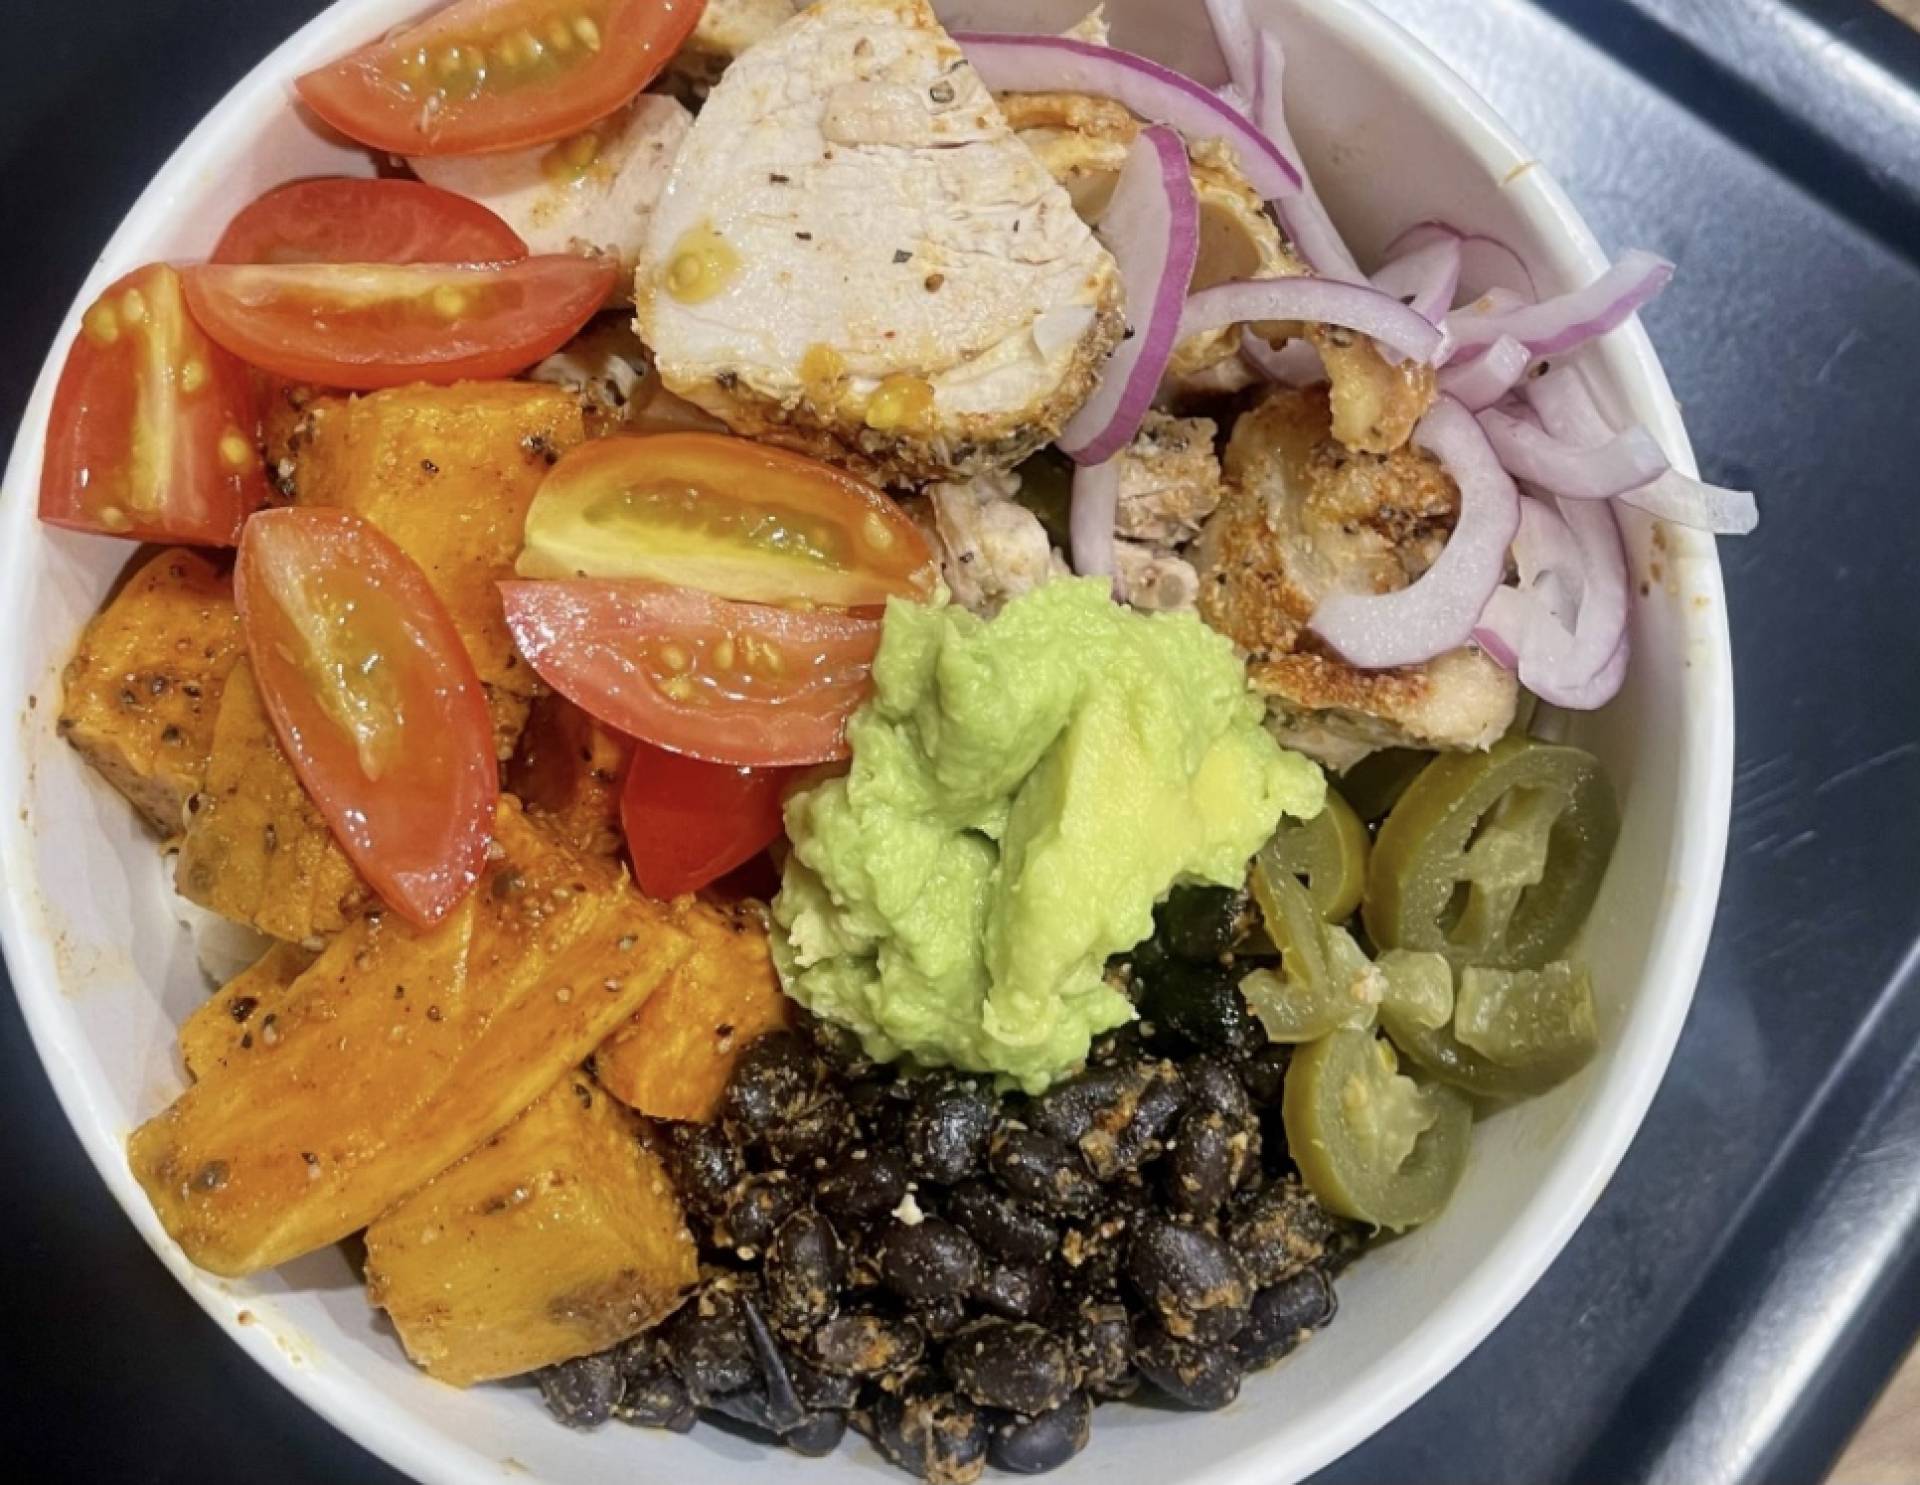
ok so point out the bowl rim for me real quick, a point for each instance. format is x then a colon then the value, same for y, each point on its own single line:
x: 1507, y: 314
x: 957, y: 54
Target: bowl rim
x: 1462, y: 1318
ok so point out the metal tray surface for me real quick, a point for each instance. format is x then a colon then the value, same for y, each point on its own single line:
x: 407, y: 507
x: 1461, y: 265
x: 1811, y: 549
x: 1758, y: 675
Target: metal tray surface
x: 1753, y: 1273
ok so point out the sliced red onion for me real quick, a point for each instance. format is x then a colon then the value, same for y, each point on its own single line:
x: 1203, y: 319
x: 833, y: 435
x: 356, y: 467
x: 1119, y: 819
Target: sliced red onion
x: 1096, y: 505
x: 1437, y: 612
x: 1626, y: 461
x: 1570, y: 670
x: 1304, y: 215
x: 1556, y: 326
x: 1485, y: 262
x: 1358, y: 307
x: 1295, y: 364
x: 1489, y: 376
x: 1566, y: 403
x: 1152, y: 227
x: 1548, y: 555
x: 1059, y: 64
x: 1423, y: 278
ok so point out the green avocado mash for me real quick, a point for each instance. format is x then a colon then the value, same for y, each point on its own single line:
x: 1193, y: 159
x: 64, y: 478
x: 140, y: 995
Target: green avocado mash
x: 1023, y: 791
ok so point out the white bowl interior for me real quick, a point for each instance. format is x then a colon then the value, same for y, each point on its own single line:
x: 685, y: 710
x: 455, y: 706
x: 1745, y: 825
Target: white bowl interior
x: 105, y: 970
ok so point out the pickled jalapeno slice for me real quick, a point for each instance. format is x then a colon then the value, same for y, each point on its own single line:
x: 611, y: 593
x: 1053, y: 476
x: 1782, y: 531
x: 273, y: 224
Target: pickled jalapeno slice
x: 1371, y: 1142
x: 1528, y: 1018
x: 1495, y: 858
x: 1324, y: 981
x: 1329, y: 852
x: 1373, y: 786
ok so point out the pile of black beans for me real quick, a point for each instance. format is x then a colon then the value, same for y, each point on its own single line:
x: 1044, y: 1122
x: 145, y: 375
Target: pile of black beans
x: 962, y: 1276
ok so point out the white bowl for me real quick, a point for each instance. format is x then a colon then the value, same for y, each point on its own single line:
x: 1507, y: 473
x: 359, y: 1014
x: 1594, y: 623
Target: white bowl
x: 104, y: 970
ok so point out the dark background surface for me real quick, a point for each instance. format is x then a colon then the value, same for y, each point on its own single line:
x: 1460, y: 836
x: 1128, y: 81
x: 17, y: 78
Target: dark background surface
x: 1752, y: 1275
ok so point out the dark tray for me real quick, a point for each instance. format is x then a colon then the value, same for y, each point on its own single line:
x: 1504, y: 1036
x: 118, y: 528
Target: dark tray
x: 1753, y: 1272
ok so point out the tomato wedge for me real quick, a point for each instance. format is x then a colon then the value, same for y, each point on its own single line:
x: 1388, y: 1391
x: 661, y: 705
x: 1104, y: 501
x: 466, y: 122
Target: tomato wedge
x: 689, y: 823
x: 375, y: 700
x: 735, y: 518
x: 736, y: 683
x: 368, y: 325
x: 342, y: 219
x: 499, y: 74
x: 152, y: 430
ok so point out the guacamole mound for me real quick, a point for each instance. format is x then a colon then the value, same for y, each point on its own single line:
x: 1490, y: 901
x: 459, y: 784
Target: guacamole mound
x: 1023, y: 791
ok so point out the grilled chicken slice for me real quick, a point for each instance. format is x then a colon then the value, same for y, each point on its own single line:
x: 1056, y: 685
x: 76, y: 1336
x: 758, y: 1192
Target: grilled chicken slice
x: 591, y: 193
x: 856, y: 257
x: 1169, y: 480
x: 727, y: 28
x: 1304, y: 517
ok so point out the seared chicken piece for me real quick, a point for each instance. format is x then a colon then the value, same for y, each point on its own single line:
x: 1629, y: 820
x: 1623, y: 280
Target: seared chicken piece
x: 1153, y: 580
x: 726, y: 29
x: 856, y: 257
x: 1305, y: 517
x: 1083, y: 141
x: 591, y: 193
x: 612, y: 377
x: 991, y: 548
x: 1169, y: 480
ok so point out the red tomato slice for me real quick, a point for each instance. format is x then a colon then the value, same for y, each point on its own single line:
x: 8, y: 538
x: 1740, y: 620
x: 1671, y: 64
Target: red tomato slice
x: 689, y: 823
x: 736, y: 683
x: 375, y: 700
x: 152, y: 430
x: 499, y: 74
x: 368, y: 325
x: 728, y: 516
x: 345, y: 220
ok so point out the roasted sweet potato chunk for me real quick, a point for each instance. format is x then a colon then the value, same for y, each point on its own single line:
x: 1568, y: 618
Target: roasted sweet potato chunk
x: 567, y: 772
x: 672, y: 1058
x: 223, y: 1025
x: 558, y: 1237
x: 448, y: 473
x: 401, y: 1050
x: 257, y: 849
x: 141, y: 692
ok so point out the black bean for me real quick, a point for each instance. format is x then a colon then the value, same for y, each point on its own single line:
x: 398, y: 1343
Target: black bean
x: 1283, y: 1316
x: 1199, y: 1007
x: 1265, y: 1074
x: 820, y: 1391
x: 947, y: 1127
x: 1032, y: 1446
x: 1011, y: 1364
x: 805, y: 1271
x: 863, y: 1184
x: 705, y: 1166
x: 937, y: 1436
x: 754, y: 1212
x: 930, y: 1260
x: 942, y: 1318
x: 1202, y: 924
x: 819, y: 1436
x: 1279, y: 1231
x: 582, y: 1393
x: 1043, y: 1170
x: 1216, y: 1087
x: 709, y: 1348
x: 1190, y: 1279
x: 839, y: 1048
x: 1115, y: 1116
x: 1206, y: 1161
x: 1100, y: 1338
x: 864, y: 1345
x: 1019, y: 1291
x: 817, y: 1131
x: 1195, y: 1376
x: 1093, y: 1253
x: 773, y: 1081
x: 1002, y: 1225
x: 652, y: 1395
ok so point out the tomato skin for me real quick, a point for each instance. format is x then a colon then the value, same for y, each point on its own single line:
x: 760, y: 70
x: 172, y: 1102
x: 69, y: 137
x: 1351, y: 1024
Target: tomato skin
x: 364, y: 326
x: 344, y: 219
x: 152, y: 431
x: 689, y: 823
x: 735, y: 518
x: 734, y: 683
x: 333, y: 611
x: 485, y: 75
